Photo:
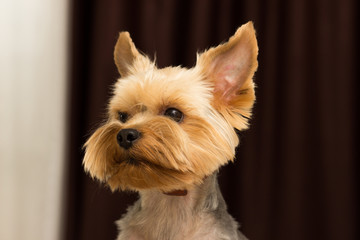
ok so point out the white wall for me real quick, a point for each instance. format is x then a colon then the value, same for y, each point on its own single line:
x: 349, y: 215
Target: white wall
x: 33, y: 62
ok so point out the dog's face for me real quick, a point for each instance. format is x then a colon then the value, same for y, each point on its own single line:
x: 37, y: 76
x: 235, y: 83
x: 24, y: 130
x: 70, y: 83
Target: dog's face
x: 169, y: 128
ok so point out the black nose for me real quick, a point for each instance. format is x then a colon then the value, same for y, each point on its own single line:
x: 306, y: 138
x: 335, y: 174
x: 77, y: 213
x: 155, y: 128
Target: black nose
x: 126, y: 137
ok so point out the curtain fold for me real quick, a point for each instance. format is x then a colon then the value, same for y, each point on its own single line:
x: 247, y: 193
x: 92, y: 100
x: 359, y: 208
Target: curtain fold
x: 294, y: 176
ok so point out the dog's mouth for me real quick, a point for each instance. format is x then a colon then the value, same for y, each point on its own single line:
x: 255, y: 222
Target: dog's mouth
x: 142, y: 162
x: 136, y: 173
x: 135, y: 159
x: 132, y: 161
x: 127, y: 159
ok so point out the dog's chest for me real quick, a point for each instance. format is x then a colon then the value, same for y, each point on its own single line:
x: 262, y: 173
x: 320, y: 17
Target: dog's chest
x: 199, y: 228
x: 167, y: 218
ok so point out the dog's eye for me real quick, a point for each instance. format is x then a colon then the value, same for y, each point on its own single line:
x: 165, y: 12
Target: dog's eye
x: 123, y: 117
x: 174, y: 114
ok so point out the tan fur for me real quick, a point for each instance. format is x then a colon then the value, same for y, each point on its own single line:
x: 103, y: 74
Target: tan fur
x: 215, y: 96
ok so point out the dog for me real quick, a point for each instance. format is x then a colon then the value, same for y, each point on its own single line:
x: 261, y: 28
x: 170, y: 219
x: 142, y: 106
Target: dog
x: 168, y: 132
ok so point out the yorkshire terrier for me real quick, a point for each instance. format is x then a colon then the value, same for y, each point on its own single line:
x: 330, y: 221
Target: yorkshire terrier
x: 168, y: 132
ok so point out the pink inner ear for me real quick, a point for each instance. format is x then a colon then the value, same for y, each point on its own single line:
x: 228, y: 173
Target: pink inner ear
x: 231, y: 70
x: 229, y: 78
x: 225, y: 84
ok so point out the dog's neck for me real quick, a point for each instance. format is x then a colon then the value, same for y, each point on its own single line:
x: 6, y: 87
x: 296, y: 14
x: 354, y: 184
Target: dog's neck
x: 194, y: 197
x: 200, y: 214
x: 185, y: 211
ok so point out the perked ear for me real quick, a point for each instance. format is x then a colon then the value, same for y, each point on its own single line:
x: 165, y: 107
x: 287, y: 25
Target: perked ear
x: 126, y: 54
x: 230, y: 67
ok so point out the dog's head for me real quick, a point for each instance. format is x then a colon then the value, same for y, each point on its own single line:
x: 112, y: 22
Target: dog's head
x: 169, y: 128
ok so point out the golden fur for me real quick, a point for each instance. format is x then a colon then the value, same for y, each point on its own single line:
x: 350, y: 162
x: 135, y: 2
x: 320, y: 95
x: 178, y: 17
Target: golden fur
x: 215, y: 97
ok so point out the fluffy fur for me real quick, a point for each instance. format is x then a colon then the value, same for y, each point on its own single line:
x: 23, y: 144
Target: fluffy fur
x: 215, y: 96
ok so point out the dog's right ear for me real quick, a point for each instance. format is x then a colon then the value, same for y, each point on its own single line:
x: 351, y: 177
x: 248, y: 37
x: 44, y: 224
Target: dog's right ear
x: 230, y: 67
x: 126, y: 54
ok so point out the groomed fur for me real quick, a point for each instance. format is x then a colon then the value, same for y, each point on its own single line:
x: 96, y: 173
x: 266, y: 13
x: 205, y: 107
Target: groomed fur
x: 215, y: 97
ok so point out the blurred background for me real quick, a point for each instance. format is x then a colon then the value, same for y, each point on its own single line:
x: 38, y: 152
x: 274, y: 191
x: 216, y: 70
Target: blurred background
x: 296, y: 172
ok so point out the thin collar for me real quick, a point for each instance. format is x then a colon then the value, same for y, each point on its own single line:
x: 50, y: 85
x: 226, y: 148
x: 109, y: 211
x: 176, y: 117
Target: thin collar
x: 178, y: 193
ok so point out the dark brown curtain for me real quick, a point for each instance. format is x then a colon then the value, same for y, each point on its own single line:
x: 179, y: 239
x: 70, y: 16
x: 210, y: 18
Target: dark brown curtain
x: 295, y: 176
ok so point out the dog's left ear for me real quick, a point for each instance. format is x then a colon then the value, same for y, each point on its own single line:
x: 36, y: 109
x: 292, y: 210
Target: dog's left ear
x: 127, y: 57
x: 230, y: 67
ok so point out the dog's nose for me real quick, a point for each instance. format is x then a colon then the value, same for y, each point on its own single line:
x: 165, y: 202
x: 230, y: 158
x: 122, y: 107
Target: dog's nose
x: 126, y: 137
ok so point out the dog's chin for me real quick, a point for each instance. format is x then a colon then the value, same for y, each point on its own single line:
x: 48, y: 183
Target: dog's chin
x: 141, y: 174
